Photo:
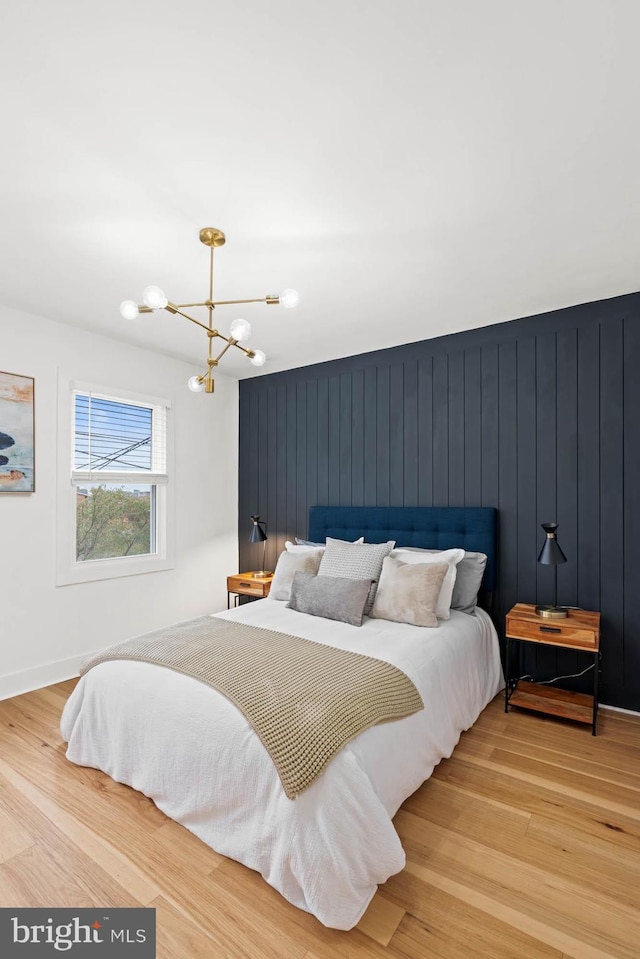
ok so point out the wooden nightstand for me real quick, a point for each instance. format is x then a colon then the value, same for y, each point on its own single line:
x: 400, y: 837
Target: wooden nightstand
x: 580, y: 631
x: 246, y: 584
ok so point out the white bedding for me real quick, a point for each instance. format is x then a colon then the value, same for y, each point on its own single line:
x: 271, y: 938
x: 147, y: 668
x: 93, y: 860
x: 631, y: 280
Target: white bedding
x: 191, y: 750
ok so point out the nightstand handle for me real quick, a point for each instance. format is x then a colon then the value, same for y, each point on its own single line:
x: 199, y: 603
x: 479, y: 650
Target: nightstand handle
x: 550, y: 629
x: 246, y: 584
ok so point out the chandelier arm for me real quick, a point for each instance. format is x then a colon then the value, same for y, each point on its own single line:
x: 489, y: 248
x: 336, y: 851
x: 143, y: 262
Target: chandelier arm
x: 184, y: 305
x: 230, y: 342
x: 244, y: 349
x: 210, y: 335
x: 172, y: 308
x: 260, y: 299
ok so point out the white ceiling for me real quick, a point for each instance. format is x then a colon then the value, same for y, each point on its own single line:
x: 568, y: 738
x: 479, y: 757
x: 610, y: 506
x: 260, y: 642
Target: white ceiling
x: 412, y: 169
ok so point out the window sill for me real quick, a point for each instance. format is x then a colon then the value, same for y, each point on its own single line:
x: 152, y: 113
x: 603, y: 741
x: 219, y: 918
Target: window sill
x: 95, y: 570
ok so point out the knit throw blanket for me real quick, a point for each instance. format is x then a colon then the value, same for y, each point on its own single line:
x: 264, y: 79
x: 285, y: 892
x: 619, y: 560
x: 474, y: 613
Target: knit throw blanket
x: 303, y: 699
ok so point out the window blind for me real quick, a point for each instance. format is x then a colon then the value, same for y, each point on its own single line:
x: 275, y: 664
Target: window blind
x: 118, y: 442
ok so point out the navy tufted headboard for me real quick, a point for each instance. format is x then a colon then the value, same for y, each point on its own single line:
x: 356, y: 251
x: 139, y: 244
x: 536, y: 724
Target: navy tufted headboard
x: 429, y: 527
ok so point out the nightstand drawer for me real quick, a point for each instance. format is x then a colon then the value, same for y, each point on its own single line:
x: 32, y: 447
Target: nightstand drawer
x: 256, y: 587
x: 555, y: 633
x: 247, y: 586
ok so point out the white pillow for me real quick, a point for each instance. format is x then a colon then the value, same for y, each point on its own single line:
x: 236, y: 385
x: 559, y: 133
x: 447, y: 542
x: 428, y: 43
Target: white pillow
x: 450, y: 556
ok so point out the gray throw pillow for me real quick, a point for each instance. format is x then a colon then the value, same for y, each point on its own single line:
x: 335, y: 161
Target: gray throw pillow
x: 287, y: 566
x: 355, y: 561
x: 408, y: 592
x: 330, y: 597
x: 468, y: 579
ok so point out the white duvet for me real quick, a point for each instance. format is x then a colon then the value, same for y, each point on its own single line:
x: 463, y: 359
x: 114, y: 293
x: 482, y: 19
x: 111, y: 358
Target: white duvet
x: 192, y: 751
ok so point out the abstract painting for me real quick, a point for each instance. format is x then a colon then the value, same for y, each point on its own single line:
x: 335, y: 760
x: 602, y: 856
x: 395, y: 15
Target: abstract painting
x: 16, y: 434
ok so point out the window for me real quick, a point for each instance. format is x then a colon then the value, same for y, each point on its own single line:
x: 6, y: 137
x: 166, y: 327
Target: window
x: 115, y: 523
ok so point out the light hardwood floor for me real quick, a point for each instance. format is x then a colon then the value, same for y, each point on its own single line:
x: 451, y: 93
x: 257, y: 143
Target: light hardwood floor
x: 526, y: 843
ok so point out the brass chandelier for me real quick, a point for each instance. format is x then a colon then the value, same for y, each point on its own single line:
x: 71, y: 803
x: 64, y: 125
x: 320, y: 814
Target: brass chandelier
x: 154, y: 299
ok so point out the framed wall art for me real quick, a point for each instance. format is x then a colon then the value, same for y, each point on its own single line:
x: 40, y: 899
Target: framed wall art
x: 17, y: 434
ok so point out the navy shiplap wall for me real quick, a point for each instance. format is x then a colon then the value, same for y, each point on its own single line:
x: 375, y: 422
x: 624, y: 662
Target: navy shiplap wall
x: 539, y: 417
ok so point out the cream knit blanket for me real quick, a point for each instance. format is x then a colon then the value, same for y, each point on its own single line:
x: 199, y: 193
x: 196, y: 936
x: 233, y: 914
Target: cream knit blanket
x: 303, y: 699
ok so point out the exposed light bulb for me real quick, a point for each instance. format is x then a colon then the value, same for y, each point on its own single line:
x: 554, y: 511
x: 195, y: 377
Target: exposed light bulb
x: 240, y: 330
x: 195, y: 384
x: 258, y: 358
x: 129, y: 309
x: 154, y: 298
x: 289, y: 298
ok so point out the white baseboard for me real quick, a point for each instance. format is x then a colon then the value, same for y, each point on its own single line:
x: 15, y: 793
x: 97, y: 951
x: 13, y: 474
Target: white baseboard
x: 619, y: 709
x: 14, y: 684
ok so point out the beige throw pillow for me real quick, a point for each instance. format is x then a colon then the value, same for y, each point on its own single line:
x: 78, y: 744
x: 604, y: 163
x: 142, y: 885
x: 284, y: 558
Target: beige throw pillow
x: 408, y: 592
x: 286, y: 568
x: 450, y: 556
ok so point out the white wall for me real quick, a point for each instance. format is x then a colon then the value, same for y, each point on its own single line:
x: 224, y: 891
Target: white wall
x: 46, y: 630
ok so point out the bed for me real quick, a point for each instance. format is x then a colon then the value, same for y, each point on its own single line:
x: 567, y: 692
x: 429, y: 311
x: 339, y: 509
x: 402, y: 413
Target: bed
x: 190, y: 749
